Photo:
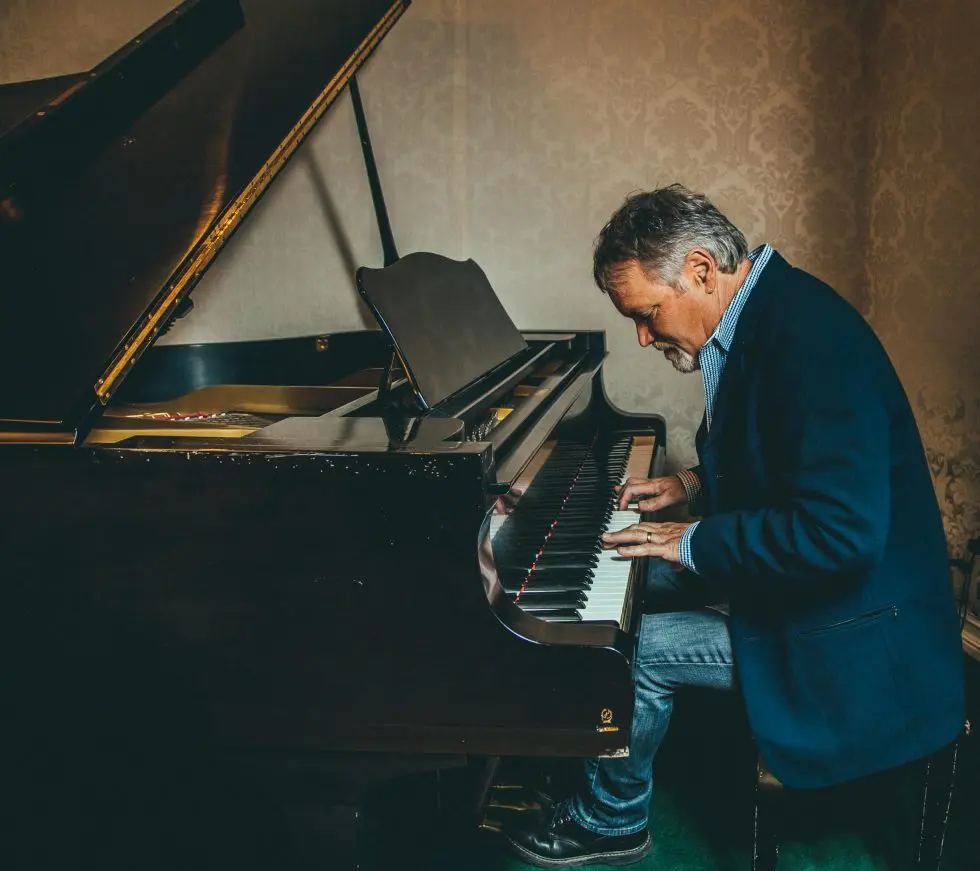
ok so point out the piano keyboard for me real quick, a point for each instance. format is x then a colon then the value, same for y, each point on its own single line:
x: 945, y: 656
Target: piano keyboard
x: 547, y: 552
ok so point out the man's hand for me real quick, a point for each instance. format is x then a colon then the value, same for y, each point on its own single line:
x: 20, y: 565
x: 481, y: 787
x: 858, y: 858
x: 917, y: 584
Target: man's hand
x: 647, y: 539
x: 652, y: 494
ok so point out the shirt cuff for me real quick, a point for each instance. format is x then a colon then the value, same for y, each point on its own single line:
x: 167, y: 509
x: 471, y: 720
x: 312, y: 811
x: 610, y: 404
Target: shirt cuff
x: 684, y: 548
x: 692, y: 485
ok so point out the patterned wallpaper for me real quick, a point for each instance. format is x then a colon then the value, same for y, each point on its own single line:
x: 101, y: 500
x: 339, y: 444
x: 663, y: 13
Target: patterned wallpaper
x: 923, y: 259
x: 843, y: 131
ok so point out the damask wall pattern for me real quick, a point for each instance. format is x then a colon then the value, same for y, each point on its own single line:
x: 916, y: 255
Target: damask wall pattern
x: 924, y: 258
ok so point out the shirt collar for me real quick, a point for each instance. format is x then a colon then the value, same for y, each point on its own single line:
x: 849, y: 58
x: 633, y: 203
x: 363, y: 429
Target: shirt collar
x: 725, y: 331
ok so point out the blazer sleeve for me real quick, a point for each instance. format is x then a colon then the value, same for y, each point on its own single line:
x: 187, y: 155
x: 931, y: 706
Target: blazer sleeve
x: 826, y: 447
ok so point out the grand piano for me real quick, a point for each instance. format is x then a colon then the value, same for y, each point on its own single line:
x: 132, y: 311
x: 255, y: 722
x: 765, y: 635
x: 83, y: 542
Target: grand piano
x: 291, y: 568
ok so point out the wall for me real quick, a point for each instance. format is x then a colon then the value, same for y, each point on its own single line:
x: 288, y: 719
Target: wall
x: 43, y: 38
x: 924, y: 261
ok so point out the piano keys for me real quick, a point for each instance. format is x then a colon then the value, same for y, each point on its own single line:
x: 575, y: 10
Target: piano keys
x: 547, y: 551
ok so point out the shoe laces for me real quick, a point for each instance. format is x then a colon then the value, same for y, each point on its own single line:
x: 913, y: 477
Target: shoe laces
x: 560, y: 814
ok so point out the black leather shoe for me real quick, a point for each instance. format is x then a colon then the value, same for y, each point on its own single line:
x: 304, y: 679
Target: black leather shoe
x: 555, y: 840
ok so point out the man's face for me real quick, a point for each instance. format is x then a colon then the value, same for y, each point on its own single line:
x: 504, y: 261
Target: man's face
x: 666, y: 317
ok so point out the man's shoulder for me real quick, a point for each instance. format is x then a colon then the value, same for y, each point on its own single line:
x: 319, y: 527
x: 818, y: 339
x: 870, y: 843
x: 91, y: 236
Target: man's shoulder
x: 806, y: 311
x: 805, y: 330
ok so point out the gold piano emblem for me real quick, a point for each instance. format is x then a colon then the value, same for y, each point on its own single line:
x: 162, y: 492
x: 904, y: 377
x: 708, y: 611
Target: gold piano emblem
x: 606, y: 716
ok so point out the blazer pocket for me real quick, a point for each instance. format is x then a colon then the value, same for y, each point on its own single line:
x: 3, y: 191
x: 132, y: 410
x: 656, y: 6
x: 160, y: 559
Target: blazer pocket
x: 845, y: 670
x: 851, y: 622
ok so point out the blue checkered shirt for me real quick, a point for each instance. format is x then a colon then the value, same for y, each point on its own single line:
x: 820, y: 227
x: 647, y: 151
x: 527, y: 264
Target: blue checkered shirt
x: 712, y: 361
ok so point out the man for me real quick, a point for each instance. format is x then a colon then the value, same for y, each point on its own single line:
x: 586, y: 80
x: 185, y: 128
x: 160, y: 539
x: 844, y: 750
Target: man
x: 819, y: 527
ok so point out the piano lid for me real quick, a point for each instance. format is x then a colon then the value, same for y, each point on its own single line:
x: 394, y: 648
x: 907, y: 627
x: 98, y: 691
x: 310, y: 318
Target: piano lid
x: 118, y: 191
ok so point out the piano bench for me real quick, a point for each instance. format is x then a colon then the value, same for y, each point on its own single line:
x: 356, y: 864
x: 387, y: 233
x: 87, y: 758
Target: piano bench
x: 924, y: 789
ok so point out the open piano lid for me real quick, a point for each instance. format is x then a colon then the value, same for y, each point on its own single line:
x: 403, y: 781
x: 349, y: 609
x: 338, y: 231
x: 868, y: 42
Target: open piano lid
x: 118, y: 191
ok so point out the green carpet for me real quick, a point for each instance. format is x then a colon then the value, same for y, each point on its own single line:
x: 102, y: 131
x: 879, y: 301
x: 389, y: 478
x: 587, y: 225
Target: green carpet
x: 701, y: 814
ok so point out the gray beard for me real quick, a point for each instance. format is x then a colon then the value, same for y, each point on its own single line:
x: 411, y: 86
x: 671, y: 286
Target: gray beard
x: 681, y: 360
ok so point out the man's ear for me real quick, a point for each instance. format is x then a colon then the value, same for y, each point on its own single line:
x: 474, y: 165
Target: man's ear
x: 701, y: 266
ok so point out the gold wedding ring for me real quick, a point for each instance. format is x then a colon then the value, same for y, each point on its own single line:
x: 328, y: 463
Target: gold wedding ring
x: 649, y: 537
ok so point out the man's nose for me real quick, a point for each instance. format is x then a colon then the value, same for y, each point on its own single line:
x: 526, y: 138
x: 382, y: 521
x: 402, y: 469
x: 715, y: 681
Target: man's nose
x: 643, y: 335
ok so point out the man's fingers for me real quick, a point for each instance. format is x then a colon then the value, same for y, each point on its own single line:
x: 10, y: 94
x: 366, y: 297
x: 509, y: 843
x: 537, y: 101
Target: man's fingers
x: 640, y: 488
x: 635, y: 550
x: 611, y: 539
x: 647, y: 539
x: 629, y: 535
x: 652, y: 504
x: 633, y: 480
x: 630, y: 492
x: 647, y: 533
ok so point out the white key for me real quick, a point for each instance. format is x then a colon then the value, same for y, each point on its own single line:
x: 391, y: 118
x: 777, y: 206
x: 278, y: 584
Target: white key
x: 496, y: 522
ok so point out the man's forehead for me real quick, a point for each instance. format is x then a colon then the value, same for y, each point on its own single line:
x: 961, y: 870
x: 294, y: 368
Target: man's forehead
x: 632, y: 287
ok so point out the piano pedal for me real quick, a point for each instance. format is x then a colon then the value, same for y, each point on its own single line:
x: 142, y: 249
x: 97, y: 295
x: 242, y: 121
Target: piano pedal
x: 491, y: 827
x: 519, y: 806
x: 507, y: 805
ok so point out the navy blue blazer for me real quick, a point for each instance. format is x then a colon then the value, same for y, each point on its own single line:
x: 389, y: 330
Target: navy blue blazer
x: 820, y: 519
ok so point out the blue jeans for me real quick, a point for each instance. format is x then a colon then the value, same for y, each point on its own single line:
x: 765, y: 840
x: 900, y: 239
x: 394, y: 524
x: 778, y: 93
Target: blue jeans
x: 675, y: 648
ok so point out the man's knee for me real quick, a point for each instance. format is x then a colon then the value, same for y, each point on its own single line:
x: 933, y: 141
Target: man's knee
x: 683, y: 648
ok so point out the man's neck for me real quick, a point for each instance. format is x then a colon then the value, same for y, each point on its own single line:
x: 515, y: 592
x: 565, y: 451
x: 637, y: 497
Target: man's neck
x: 727, y: 285
x: 732, y: 283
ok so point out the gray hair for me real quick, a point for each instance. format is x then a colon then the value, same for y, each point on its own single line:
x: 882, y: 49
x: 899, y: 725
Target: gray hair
x: 658, y: 229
